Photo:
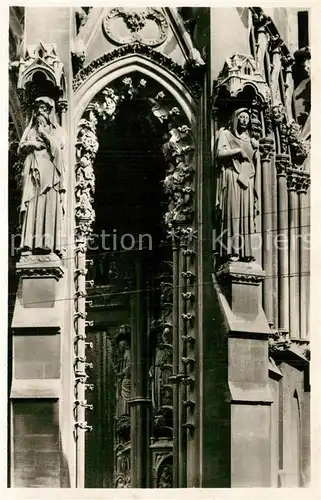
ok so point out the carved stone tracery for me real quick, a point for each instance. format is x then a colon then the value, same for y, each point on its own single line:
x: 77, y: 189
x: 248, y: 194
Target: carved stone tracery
x: 43, y: 59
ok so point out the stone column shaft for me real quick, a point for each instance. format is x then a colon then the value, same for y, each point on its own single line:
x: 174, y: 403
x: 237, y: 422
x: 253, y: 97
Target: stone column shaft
x: 139, y: 404
x: 266, y: 148
x: 294, y: 281
x: 304, y: 249
x: 282, y: 163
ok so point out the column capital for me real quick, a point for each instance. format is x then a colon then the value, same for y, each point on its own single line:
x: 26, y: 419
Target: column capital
x: 282, y: 163
x: 303, y: 182
x: 298, y: 180
x: 292, y: 178
x: 266, y: 147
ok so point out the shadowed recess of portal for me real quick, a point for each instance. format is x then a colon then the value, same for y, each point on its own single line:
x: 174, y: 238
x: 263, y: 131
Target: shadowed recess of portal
x: 129, y: 193
x: 129, y: 199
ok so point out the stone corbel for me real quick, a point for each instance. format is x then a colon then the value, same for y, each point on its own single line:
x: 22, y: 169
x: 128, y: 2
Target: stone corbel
x: 284, y: 348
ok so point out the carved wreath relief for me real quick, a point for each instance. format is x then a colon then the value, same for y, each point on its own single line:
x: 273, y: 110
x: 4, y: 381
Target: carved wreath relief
x: 125, y: 26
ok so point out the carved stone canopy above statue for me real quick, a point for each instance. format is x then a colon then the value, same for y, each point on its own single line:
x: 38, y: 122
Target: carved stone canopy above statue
x: 238, y: 72
x: 42, y: 63
x: 144, y: 25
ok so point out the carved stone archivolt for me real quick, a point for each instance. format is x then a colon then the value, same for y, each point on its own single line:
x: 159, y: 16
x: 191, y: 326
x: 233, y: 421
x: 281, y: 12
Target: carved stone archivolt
x: 125, y: 25
x: 179, y: 186
x: 178, y: 151
x: 184, y: 75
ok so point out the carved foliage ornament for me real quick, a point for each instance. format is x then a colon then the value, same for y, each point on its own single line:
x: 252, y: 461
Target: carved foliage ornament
x: 290, y: 134
x: 135, y: 20
x: 86, y: 149
x: 299, y: 147
x: 182, y: 74
x: 178, y: 151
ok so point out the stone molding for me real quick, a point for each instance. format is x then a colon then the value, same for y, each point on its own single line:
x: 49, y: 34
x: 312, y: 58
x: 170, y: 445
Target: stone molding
x: 184, y: 75
x: 241, y: 273
x: 40, y: 266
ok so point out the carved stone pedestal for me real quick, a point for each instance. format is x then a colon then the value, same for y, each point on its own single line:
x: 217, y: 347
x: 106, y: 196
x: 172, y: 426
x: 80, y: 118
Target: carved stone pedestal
x: 239, y: 282
x: 236, y: 381
x: 39, y: 301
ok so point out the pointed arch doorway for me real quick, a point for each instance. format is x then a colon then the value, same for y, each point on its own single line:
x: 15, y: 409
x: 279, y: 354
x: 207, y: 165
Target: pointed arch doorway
x: 141, y: 317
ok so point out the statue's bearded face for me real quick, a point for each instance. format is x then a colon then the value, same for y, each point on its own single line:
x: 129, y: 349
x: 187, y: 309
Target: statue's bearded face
x: 243, y: 120
x: 42, y: 113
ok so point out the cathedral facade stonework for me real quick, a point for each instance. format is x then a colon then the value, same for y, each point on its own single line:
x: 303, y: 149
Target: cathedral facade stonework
x: 159, y: 229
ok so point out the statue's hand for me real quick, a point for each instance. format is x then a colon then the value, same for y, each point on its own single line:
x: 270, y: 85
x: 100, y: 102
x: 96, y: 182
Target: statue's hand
x: 242, y: 155
x: 30, y: 145
x: 42, y: 132
x: 255, y: 143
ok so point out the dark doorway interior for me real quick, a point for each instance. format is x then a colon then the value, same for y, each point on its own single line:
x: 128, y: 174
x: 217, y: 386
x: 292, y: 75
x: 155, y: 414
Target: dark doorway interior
x: 129, y: 200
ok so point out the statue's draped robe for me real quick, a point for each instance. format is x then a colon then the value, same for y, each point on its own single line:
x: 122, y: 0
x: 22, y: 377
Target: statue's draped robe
x: 43, y: 185
x: 236, y: 196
